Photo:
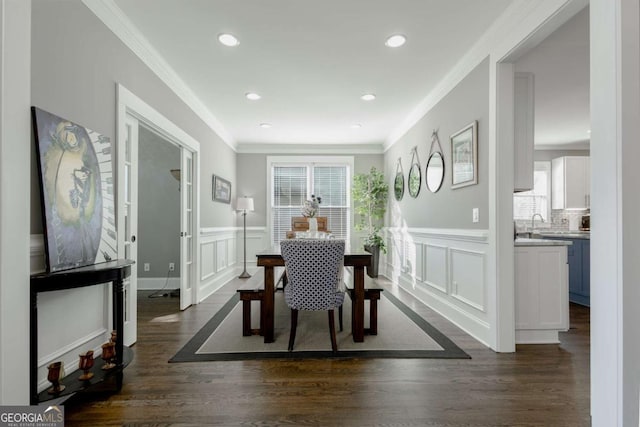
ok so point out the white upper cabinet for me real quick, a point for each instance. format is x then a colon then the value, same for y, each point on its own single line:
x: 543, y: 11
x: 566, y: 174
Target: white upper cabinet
x: 571, y: 182
x: 523, y: 126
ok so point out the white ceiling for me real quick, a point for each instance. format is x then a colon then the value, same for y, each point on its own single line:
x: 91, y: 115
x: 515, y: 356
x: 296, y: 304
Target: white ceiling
x: 560, y: 64
x: 311, y: 60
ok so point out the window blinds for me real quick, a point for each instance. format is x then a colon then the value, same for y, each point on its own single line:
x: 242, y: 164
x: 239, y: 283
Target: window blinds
x: 292, y: 185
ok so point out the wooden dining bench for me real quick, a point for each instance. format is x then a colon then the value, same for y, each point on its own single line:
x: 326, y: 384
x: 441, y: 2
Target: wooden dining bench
x: 371, y: 294
x: 253, y: 290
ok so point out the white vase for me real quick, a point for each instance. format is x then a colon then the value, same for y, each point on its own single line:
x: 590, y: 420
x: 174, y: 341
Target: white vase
x: 313, y: 225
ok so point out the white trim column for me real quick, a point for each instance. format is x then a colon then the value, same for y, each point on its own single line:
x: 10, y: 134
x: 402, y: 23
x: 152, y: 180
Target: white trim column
x: 615, y: 132
x: 15, y: 178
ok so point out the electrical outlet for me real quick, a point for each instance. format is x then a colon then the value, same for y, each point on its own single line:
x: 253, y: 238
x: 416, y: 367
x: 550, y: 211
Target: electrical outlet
x: 476, y: 215
x: 172, y: 266
x: 147, y: 266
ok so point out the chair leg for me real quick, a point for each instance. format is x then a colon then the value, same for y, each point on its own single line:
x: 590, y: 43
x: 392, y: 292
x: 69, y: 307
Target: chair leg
x: 294, y: 325
x: 340, y: 317
x: 332, y: 332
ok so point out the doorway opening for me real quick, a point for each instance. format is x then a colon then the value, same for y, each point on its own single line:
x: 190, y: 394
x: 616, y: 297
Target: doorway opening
x: 134, y: 117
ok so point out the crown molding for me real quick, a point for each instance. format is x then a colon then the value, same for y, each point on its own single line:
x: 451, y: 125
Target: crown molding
x: 318, y: 149
x: 115, y: 20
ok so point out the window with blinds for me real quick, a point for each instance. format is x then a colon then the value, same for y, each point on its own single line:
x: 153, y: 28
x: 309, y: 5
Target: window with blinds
x: 537, y: 200
x: 293, y: 184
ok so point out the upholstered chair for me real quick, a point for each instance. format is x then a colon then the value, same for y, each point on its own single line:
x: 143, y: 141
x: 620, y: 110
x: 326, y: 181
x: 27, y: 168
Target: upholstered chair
x: 314, y: 272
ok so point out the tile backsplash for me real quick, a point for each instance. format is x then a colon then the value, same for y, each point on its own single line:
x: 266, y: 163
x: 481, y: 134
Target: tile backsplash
x: 561, y: 220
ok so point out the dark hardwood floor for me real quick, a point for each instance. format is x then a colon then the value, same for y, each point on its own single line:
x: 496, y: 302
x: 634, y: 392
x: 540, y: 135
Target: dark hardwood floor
x: 539, y: 385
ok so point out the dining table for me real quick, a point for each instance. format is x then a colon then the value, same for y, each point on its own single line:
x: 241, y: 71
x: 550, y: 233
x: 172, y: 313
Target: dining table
x: 272, y: 258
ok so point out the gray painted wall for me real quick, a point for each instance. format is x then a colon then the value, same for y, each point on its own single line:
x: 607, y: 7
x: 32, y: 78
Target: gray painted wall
x: 76, y: 63
x: 447, y: 208
x: 252, y: 180
x: 158, y: 206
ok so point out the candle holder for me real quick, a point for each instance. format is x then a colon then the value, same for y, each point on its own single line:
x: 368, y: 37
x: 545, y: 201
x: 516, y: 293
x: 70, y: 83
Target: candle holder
x: 56, y: 372
x: 86, y: 363
x: 109, y: 355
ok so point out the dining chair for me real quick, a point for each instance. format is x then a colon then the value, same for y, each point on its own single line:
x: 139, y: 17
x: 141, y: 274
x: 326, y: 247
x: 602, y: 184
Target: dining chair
x: 314, y: 272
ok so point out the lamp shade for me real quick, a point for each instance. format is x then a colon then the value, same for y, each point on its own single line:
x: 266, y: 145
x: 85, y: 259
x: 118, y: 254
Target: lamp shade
x: 244, y: 204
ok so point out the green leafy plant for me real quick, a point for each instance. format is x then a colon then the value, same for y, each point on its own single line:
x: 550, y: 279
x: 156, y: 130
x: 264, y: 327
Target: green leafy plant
x: 370, y: 193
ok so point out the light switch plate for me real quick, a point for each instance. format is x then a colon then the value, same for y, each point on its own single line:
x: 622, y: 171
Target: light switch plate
x: 476, y: 215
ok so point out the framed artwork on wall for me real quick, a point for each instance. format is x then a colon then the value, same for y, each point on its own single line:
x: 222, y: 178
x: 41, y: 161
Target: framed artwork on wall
x: 464, y: 156
x: 221, y: 190
x: 76, y: 191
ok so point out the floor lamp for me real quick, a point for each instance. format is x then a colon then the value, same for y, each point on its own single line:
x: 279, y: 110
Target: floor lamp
x: 244, y: 204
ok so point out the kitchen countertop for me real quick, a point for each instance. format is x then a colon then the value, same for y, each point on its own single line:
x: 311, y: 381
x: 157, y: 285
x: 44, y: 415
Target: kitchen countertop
x: 541, y: 242
x: 566, y: 234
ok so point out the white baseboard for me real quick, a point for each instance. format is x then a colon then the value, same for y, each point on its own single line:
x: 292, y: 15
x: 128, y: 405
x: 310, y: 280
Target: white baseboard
x: 156, y: 283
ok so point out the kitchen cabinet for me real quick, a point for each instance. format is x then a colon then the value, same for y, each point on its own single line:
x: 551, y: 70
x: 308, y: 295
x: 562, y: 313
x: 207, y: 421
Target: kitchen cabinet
x: 541, y: 293
x: 571, y: 182
x: 523, y: 126
x: 579, y: 258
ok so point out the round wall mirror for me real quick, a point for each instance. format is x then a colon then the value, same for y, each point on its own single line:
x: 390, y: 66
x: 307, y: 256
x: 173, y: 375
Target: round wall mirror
x: 435, y: 172
x: 398, y: 186
x: 415, y: 180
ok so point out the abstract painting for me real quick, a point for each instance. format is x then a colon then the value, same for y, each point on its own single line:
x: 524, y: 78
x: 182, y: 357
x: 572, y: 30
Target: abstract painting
x: 77, y: 193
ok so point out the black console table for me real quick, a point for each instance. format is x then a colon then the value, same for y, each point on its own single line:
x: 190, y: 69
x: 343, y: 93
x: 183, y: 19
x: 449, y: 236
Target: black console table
x: 112, y: 271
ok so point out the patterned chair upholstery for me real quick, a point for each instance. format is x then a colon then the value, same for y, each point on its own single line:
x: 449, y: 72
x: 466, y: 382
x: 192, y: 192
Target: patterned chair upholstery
x: 313, y: 272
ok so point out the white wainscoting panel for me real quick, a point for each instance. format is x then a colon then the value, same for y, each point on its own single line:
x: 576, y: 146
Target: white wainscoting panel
x: 215, y: 266
x: 467, y: 277
x: 446, y: 270
x: 436, y: 274
x: 207, y: 259
x: 222, y: 255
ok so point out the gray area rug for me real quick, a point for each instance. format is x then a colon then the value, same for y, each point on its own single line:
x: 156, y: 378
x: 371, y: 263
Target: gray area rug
x: 401, y: 334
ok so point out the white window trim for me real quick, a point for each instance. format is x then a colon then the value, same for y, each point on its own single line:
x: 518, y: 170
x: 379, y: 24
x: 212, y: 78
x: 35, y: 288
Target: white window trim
x: 305, y: 161
x: 545, y: 166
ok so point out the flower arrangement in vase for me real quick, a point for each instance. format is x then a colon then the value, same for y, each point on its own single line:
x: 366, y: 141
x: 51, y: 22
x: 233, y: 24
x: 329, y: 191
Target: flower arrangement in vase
x: 310, y: 210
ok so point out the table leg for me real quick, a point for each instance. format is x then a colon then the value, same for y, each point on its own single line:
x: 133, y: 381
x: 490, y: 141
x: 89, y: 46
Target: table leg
x: 357, y: 326
x: 267, y: 306
x: 118, y: 325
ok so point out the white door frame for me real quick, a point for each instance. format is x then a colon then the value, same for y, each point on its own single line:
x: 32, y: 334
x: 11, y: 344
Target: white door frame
x: 130, y: 104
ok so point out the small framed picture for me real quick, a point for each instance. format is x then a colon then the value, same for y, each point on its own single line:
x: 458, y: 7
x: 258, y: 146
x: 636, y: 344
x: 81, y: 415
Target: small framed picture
x: 464, y: 156
x: 221, y: 190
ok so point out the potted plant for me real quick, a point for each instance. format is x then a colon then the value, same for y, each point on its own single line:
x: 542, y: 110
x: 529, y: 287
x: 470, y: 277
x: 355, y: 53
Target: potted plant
x: 370, y: 192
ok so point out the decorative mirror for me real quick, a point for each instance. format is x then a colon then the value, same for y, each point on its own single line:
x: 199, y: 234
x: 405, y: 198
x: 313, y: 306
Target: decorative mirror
x: 435, y: 165
x: 398, y: 184
x: 415, y: 174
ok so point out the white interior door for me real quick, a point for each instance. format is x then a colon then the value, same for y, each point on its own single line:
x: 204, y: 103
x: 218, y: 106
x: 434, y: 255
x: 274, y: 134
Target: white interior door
x: 186, y: 229
x: 128, y: 221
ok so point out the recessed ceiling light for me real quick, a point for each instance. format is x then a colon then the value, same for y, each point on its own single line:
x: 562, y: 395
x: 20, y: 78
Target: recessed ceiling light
x: 395, y: 40
x: 368, y: 97
x: 356, y: 126
x: 265, y: 125
x: 252, y: 96
x: 228, y: 39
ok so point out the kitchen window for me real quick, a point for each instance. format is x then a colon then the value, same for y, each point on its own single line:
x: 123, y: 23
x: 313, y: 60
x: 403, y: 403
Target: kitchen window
x: 293, y: 180
x: 538, y: 200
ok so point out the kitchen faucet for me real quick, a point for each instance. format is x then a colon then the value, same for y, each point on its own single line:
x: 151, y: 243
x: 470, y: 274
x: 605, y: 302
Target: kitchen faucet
x: 533, y: 217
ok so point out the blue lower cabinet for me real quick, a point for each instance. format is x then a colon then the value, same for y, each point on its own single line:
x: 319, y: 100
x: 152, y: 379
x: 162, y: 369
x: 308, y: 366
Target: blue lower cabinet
x: 586, y: 270
x: 578, y: 257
